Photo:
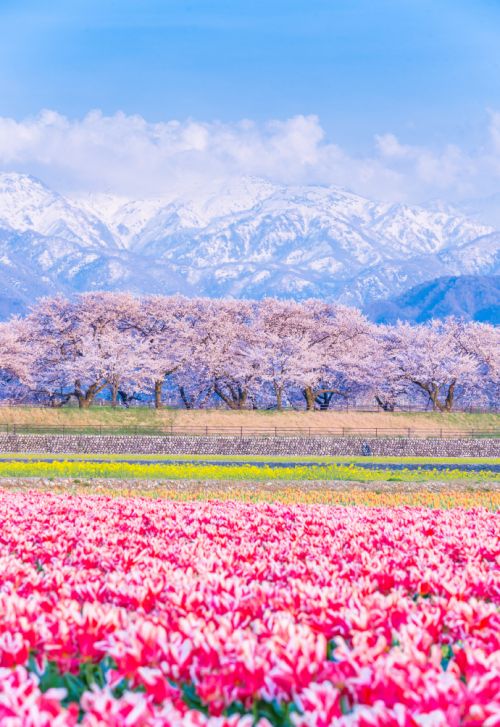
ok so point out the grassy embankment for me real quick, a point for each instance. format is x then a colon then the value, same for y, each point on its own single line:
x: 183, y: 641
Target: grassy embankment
x: 215, y: 419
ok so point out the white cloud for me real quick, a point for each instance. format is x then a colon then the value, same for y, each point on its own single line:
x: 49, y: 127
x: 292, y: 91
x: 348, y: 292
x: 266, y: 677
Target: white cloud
x: 128, y: 155
x: 390, y: 147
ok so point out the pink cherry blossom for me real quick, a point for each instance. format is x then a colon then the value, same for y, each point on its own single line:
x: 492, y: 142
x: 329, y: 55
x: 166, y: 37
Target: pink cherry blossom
x: 200, y: 352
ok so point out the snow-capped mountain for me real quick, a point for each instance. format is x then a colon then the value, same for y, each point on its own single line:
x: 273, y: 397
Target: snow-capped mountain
x: 28, y: 204
x: 249, y: 238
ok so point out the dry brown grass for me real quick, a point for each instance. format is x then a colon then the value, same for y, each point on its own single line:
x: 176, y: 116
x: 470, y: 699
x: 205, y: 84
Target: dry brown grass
x: 217, y: 419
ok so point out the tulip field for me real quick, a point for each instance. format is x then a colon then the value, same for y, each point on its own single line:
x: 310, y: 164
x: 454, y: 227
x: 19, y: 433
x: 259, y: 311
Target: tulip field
x: 133, y: 611
x: 438, y: 495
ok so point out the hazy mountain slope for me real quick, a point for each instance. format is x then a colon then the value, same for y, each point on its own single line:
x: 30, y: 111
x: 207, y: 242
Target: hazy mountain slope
x: 250, y: 238
x: 473, y: 297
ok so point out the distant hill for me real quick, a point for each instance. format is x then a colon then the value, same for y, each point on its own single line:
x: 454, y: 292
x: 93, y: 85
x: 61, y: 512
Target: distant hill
x: 473, y: 297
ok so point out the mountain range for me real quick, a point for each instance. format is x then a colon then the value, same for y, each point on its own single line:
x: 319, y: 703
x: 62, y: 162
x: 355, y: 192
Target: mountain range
x: 248, y: 238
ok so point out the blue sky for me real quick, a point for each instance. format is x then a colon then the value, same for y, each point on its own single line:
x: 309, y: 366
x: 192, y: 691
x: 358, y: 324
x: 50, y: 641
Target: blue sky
x: 426, y: 71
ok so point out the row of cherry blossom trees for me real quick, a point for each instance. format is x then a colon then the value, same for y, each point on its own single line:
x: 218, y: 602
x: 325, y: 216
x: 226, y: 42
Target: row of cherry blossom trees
x: 269, y: 353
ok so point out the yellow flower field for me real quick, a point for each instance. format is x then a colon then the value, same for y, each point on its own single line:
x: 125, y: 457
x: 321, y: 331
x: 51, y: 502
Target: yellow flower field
x: 239, y: 472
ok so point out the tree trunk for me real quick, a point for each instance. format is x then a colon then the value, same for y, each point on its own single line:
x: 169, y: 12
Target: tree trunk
x: 86, y: 399
x: 385, y: 405
x: 324, y: 399
x: 309, y: 397
x: 433, y: 392
x: 188, y: 404
x: 114, y: 395
x: 242, y: 398
x: 158, y: 389
x: 237, y: 399
x: 125, y: 398
x: 58, y: 403
x: 434, y: 398
x: 450, y: 396
x: 279, y: 397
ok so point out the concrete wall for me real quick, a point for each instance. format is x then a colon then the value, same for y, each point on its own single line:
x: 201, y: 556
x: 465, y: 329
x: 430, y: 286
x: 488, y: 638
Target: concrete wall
x: 109, y: 444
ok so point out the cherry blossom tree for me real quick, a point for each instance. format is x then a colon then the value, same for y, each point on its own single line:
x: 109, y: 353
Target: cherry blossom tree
x: 338, y: 344
x: 14, y: 360
x: 226, y: 355
x: 75, y: 345
x: 167, y: 327
x: 429, y: 358
x: 388, y: 384
x: 282, y: 345
x: 481, y: 341
x: 241, y: 354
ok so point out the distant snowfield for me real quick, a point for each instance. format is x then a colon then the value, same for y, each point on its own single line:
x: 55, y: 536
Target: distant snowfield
x: 249, y: 238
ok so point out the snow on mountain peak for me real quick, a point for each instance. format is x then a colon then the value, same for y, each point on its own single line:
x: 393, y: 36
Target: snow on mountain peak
x: 26, y: 203
x: 246, y: 237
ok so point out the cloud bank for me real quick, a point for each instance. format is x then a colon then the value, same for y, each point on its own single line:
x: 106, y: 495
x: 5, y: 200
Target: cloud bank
x: 127, y: 155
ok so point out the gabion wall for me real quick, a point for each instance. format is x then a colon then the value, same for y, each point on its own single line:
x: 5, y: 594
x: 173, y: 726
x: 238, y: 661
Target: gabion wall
x: 110, y: 444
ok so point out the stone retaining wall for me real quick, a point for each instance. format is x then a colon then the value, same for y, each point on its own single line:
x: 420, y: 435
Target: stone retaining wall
x: 110, y: 444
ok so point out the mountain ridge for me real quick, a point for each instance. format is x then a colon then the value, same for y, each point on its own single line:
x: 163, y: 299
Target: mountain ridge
x: 249, y: 238
x: 472, y: 297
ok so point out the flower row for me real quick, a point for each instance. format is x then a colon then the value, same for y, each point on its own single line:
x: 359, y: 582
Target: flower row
x: 136, y: 612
